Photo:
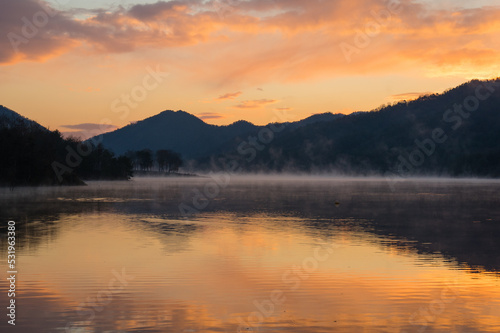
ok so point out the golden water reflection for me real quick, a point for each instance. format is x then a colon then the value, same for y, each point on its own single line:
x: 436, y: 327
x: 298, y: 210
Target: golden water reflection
x: 220, y: 272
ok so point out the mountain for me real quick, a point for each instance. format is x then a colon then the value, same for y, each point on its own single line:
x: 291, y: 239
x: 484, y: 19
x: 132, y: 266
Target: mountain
x: 178, y: 131
x: 185, y: 133
x: 9, y: 119
x: 456, y: 133
x: 315, y: 118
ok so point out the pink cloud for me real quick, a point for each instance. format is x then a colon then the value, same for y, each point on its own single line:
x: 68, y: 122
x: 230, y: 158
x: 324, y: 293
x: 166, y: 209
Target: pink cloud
x: 255, y: 104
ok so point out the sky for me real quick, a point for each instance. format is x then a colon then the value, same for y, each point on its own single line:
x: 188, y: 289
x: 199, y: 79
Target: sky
x: 97, y: 65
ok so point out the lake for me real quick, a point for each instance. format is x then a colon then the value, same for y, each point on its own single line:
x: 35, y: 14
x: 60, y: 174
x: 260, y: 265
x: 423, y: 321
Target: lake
x: 255, y: 254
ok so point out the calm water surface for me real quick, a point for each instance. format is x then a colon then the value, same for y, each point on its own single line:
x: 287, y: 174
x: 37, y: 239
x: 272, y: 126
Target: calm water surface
x: 270, y: 255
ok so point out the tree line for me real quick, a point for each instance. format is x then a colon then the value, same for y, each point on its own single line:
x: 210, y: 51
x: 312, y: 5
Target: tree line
x: 163, y: 160
x: 29, y: 152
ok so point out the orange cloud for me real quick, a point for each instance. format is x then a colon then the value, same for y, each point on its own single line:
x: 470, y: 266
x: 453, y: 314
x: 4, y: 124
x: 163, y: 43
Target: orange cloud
x: 228, y: 96
x: 257, y: 41
x: 408, y: 96
x: 86, y: 130
x: 255, y: 104
x: 210, y: 115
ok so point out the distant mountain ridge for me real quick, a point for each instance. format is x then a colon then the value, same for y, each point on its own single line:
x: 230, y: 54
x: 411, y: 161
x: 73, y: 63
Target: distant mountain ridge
x: 178, y: 131
x: 185, y: 133
x: 456, y: 133
x: 316, y: 118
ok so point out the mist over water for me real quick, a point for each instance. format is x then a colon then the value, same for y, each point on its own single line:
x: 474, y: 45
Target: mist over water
x: 257, y: 253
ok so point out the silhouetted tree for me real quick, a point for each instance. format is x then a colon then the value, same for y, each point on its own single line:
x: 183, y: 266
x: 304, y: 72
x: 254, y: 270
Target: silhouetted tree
x: 168, y: 160
x: 132, y: 156
x: 102, y: 164
x: 174, y: 162
x: 145, y: 158
x: 161, y: 159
